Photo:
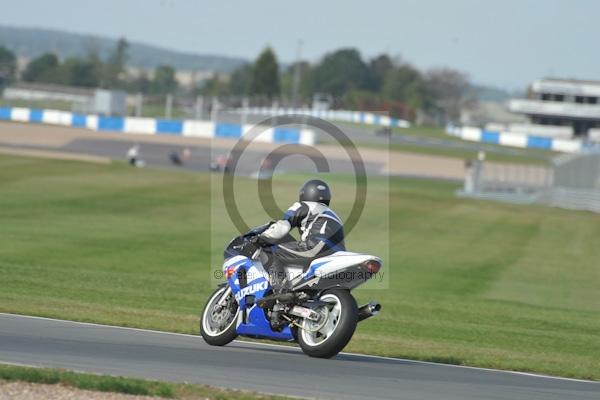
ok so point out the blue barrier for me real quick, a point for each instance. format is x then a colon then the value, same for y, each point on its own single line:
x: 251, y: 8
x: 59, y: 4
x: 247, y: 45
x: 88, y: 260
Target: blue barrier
x: 228, y: 130
x: 286, y: 135
x: 490, y: 137
x: 116, y: 124
x: 518, y: 140
x: 170, y: 127
x: 36, y: 115
x: 539, y: 142
x: 147, y: 126
x: 79, y: 120
x: 5, y: 112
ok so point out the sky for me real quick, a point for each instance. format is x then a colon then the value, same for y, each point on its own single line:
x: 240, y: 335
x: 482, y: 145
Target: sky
x: 504, y: 43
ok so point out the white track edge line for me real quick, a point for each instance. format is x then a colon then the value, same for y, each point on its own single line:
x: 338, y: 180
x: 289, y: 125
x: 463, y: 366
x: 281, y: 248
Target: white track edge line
x: 531, y: 374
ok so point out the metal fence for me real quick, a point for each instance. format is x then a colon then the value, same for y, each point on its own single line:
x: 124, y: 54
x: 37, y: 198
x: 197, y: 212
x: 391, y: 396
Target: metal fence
x: 571, y: 182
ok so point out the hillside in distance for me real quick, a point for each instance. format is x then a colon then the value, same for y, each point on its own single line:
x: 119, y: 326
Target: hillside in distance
x: 32, y: 42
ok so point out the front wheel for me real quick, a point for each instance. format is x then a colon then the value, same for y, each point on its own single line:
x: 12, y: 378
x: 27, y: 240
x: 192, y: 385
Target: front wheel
x: 329, y: 339
x: 218, y: 321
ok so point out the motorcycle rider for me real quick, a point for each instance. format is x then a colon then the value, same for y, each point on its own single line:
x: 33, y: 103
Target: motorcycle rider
x: 321, y: 232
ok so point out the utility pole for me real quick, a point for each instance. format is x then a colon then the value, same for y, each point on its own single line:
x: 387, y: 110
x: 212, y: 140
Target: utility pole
x: 244, y: 116
x: 214, y: 112
x: 199, y: 107
x: 139, y: 100
x: 169, y: 106
x: 296, y: 77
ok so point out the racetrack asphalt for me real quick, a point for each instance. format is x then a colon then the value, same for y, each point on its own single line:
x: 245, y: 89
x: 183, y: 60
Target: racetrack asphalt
x: 155, y: 151
x: 367, y: 134
x: 261, y: 367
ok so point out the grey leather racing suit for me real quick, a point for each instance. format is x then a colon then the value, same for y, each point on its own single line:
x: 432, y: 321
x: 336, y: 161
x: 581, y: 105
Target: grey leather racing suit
x: 321, y: 233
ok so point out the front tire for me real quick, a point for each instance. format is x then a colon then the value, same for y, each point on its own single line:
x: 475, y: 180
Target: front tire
x: 217, y: 323
x: 337, y: 331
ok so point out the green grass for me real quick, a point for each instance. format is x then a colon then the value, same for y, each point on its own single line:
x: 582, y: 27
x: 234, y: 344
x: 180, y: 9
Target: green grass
x: 468, y: 282
x: 521, y: 156
x: 529, y: 157
x: 106, y: 383
x: 43, y: 104
x: 158, y: 111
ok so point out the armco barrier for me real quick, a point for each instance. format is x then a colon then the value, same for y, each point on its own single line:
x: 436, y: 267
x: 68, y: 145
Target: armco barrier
x: 333, y: 115
x: 518, y: 140
x: 151, y: 126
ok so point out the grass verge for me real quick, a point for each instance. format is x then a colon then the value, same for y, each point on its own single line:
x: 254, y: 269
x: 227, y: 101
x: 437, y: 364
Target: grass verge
x: 469, y: 282
x: 520, y: 156
x: 117, y: 384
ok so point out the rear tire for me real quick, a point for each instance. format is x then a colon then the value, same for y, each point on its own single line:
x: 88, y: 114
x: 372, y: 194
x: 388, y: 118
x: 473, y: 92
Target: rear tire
x: 218, y: 328
x: 338, y: 330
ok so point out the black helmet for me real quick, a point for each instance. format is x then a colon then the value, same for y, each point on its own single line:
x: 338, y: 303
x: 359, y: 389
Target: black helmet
x: 315, y: 190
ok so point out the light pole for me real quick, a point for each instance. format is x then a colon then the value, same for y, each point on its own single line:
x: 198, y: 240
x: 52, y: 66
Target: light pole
x: 169, y: 106
x: 296, y: 77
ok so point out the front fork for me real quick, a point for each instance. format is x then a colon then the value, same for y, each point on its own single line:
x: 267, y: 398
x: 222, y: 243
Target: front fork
x: 223, y: 300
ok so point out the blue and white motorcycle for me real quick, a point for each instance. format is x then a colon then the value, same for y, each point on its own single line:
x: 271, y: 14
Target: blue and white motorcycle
x: 318, y: 312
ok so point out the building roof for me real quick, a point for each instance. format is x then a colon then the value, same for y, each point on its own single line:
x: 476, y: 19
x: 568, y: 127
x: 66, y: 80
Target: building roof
x: 576, y: 81
x: 567, y: 86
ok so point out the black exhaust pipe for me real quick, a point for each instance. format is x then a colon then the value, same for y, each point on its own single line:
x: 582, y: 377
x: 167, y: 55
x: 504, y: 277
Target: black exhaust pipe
x: 368, y: 310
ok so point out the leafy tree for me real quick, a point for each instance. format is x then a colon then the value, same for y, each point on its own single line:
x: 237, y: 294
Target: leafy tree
x: 378, y: 69
x: 265, y: 75
x: 447, y: 91
x: 240, y: 81
x: 215, y: 87
x: 76, y: 72
x: 340, y: 72
x: 94, y: 59
x: 141, y: 84
x: 404, y: 83
x: 115, y: 65
x: 305, y: 89
x: 362, y: 100
x: 8, y: 66
x: 164, y: 80
x: 42, y: 69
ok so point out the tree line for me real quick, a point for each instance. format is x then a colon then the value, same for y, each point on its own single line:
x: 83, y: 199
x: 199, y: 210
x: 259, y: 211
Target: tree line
x: 382, y: 83
x: 89, y: 71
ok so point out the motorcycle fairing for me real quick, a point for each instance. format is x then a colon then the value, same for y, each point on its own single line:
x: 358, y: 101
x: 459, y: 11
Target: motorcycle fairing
x: 341, y: 269
x: 255, y: 322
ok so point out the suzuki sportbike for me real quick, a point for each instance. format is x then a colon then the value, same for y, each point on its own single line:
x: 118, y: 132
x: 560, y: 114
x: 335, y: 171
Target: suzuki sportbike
x: 317, y: 310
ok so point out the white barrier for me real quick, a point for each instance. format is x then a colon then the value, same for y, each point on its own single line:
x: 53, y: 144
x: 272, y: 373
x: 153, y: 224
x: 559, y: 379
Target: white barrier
x: 151, y: 126
x: 512, y: 139
x: 333, y: 115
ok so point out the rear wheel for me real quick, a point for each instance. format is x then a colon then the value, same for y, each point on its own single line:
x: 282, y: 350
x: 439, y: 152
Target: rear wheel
x: 328, y: 339
x: 218, y: 321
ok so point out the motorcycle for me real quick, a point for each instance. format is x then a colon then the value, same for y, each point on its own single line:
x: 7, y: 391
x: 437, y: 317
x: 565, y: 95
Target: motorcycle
x: 318, y: 311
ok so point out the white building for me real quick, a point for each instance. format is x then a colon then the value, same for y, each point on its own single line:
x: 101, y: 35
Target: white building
x: 560, y: 108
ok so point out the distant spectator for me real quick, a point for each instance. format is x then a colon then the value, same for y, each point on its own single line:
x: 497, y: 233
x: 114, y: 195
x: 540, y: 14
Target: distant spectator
x: 220, y: 164
x: 179, y: 158
x: 133, y: 155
